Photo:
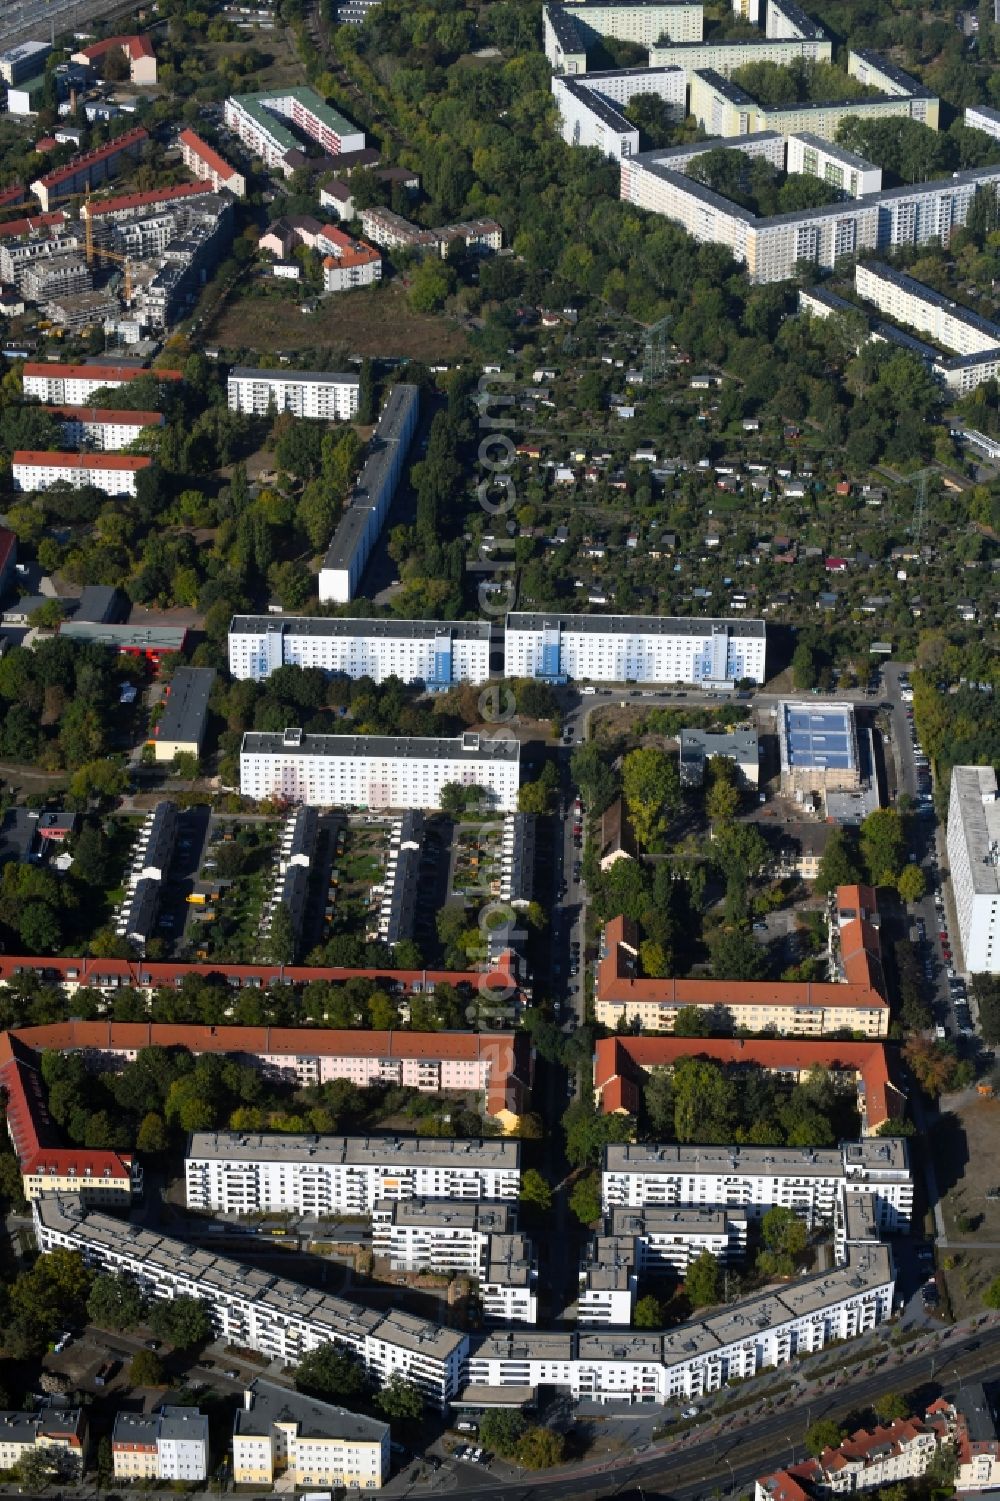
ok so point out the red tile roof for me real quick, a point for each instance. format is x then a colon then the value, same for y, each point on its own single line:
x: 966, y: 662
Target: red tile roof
x: 105, y: 414
x: 8, y: 541
x: 140, y: 200
x: 10, y: 195
x: 32, y: 225
x: 207, y: 153
x: 91, y: 158
x: 32, y: 1132
x: 620, y: 1064
x: 95, y: 461
x: 122, y: 373
x: 133, y: 47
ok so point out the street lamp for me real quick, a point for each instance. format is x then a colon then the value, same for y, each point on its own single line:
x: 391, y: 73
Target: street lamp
x: 732, y: 1474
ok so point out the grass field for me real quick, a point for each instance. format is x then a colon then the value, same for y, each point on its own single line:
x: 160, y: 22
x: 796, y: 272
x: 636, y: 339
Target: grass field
x: 964, y: 1146
x: 375, y: 321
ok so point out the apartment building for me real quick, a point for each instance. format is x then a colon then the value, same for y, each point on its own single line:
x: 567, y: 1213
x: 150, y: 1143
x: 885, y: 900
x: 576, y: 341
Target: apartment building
x: 298, y: 1441
x: 723, y: 108
x: 105, y: 212
x: 27, y: 60
x: 170, y: 1444
x: 569, y: 29
x: 114, y: 473
x: 981, y: 117
x: 763, y: 1331
x: 209, y: 166
x: 920, y: 307
x: 665, y: 1240
x: 137, y: 49
x: 607, y: 1283
x: 590, y: 109
x: 854, y: 1002
x: 45, y: 1164
x: 376, y: 771
x: 634, y: 648
x: 974, y: 860
x: 180, y: 729
x: 243, y: 1173
x: 371, y: 497
x: 104, y: 429
x: 507, y: 1292
x: 304, y: 393
x: 445, y: 1235
x: 253, y: 1308
x: 74, y: 385
x: 725, y: 57
x: 498, y: 1066
x: 383, y: 226
x: 784, y: 18
x: 259, y: 122
x: 135, y: 917
x: 49, y: 1427
x: 20, y: 256
x: 433, y: 652
x: 349, y: 262
x: 622, y: 1065
x: 698, y: 747
x: 90, y: 168
x: 812, y: 156
x: 806, y: 1180
x: 878, y: 72
x: 517, y: 860
x: 54, y: 276
x: 397, y: 913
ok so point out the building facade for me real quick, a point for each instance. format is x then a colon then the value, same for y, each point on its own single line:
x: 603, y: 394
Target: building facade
x: 49, y: 1427
x: 909, y: 301
x: 74, y: 385
x: 974, y: 859
x: 634, y: 648
x: 812, y: 156
x: 114, y: 473
x: 90, y: 168
x: 207, y: 165
x: 299, y: 1441
x: 435, y: 653
x: 171, y: 1444
x: 107, y: 431
x: 376, y: 771
x: 591, y: 107
x: 259, y: 122
x: 304, y: 393
x: 233, y: 1173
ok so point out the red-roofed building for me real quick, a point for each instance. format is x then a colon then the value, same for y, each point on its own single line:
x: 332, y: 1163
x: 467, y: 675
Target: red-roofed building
x: 127, y: 204
x: 11, y: 195
x: 104, y: 428
x: 100, y: 1177
x: 624, y: 996
x: 73, y: 385
x: 207, y: 165
x: 15, y: 228
x: 89, y: 169
x: 8, y: 556
x: 114, y: 473
x: 138, y: 50
x: 348, y: 262
x: 622, y: 1063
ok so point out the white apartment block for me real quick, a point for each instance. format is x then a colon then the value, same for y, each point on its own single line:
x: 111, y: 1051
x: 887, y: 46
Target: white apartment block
x: 812, y: 156
x: 171, y: 1444
x: 108, y: 431
x: 725, y: 57
x: 448, y: 1235
x: 436, y: 653
x: 920, y: 307
x: 771, y: 248
x: 567, y: 30
x: 507, y: 1292
x: 608, y: 1283
x: 589, y: 107
x: 974, y: 858
x: 259, y: 121
x: 767, y: 1330
x: 377, y: 771
x: 634, y: 648
x: 756, y: 1179
x: 305, y: 393
x: 236, y: 1173
x: 256, y: 1309
x: 298, y: 1441
x: 980, y: 117
x: 74, y: 385
x: 723, y: 108
x: 205, y: 163
x: 114, y: 473
x: 666, y: 1240
x: 368, y: 505
x: 786, y: 19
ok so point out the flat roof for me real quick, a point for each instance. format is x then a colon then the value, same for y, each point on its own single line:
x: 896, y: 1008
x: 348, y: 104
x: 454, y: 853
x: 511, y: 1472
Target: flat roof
x: 313, y: 1419
x: 468, y: 747
x: 359, y: 1151
x: 383, y: 449
x: 725, y: 86
x: 187, y: 705
x: 148, y: 637
x: 833, y: 151
x: 385, y: 629
x: 599, y: 104
x: 260, y: 107
x: 809, y: 30
x: 932, y: 298
x: 881, y: 64
x: 821, y: 736
x: 656, y: 1219
x: 296, y: 377
x: 641, y: 1158
x: 742, y: 746
x: 486, y: 1216
x: 645, y: 625
x: 974, y: 788
x: 565, y: 29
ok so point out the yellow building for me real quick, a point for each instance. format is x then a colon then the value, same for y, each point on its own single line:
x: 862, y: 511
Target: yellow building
x: 280, y: 1433
x: 50, y: 1428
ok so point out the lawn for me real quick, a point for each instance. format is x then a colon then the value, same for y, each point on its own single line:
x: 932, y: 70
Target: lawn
x: 373, y: 321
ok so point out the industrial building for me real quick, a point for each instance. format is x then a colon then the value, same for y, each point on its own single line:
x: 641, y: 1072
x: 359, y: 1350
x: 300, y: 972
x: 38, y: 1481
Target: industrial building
x: 437, y: 653
x: 368, y: 504
x: 634, y: 648
x: 243, y: 1173
x: 974, y: 859
x: 304, y: 393
x: 818, y: 746
x: 377, y: 771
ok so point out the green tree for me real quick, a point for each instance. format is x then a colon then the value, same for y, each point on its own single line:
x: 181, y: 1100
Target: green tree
x: 911, y: 884
x: 535, y: 1190
x: 585, y: 1199
x: 804, y: 670
x: 47, y: 1465
x: 152, y: 1135
x: 281, y: 940
x: 890, y: 1407
x: 838, y: 865
x: 692, y: 1021
x: 115, y: 1301
x: 331, y: 1374
x: 183, y: 1321
x: 651, y: 788
x: 825, y: 1434
x: 146, y: 1369
x: 400, y: 1399
x: 648, y: 1313
x: 704, y: 1101
x: 991, y: 1297
x: 882, y: 846
x: 431, y: 285
x: 541, y: 1448
x: 701, y: 1281
x: 722, y: 799
x: 501, y: 1431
